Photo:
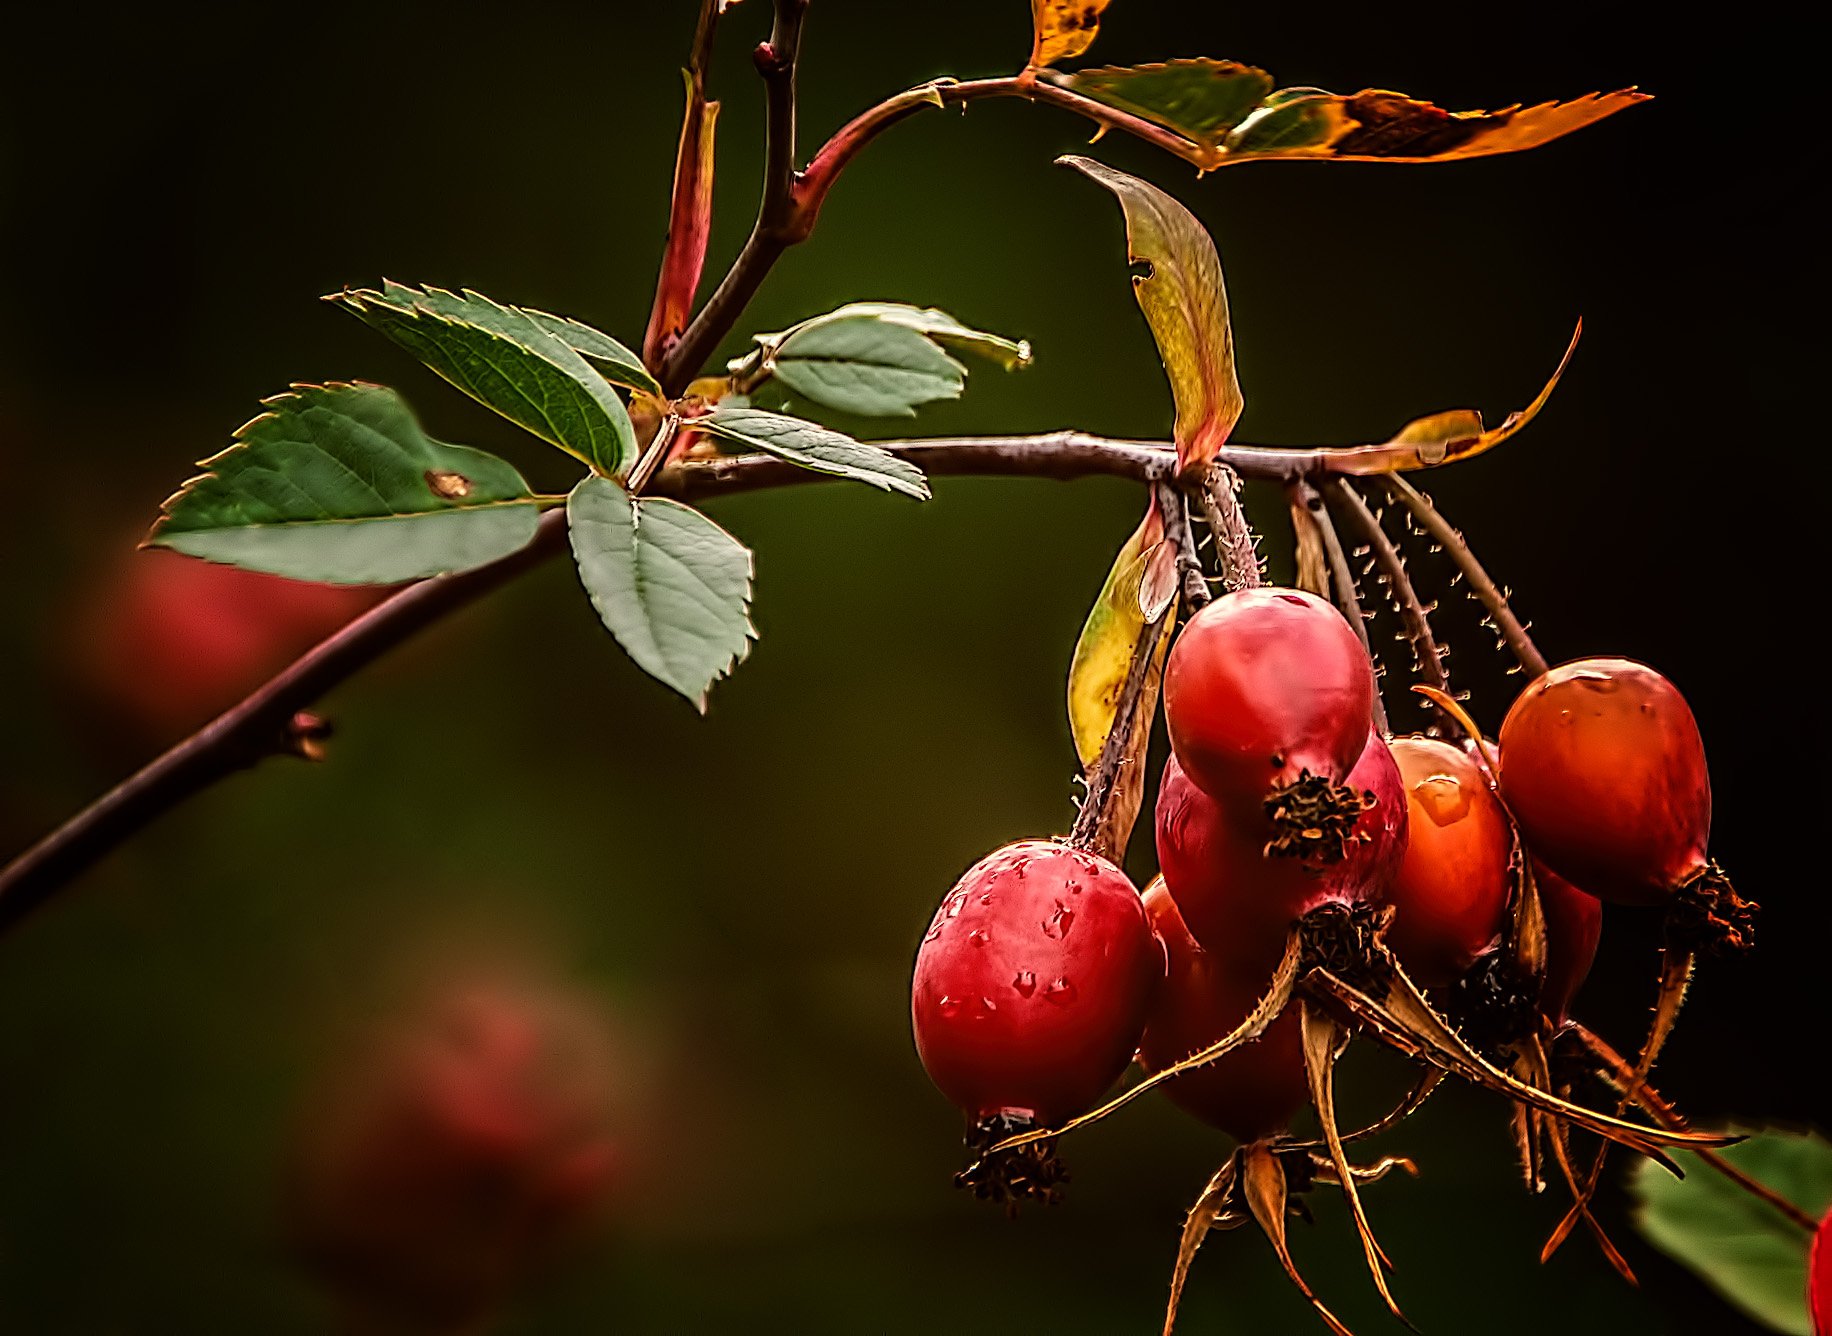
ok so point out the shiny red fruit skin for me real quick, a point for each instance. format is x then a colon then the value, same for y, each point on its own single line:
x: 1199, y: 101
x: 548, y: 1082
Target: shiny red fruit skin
x: 1819, y: 1278
x: 1263, y: 684
x: 1240, y: 903
x: 1450, y: 895
x: 1252, y: 1092
x: 1604, y: 770
x: 1033, y: 982
x: 1574, y: 926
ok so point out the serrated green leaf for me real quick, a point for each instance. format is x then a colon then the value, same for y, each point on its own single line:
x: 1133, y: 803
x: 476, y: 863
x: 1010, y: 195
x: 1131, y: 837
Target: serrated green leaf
x: 815, y: 447
x: 506, y: 360
x: 338, y: 483
x: 864, y: 365
x: 672, y: 586
x: 1744, y: 1248
x: 942, y: 328
x: 1200, y: 99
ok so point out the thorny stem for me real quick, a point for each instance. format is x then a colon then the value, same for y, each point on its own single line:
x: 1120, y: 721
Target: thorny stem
x: 1342, y: 581
x: 1425, y: 653
x: 1487, y: 592
x: 1236, y: 548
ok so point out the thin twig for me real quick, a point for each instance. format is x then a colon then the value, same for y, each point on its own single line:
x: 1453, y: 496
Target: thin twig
x: 260, y: 725
x: 1425, y: 653
x: 1425, y: 511
x: 1342, y: 581
x: 776, y: 228
x: 1174, y: 507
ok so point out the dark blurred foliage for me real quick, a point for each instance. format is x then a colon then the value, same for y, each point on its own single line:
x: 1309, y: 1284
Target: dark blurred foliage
x: 742, y: 894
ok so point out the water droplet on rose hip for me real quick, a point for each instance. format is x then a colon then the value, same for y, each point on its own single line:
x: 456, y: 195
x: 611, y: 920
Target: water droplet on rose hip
x: 955, y: 902
x: 1025, y: 983
x: 949, y: 1007
x: 1061, y: 992
x: 1443, y: 799
x: 1059, y: 923
x: 987, y: 1006
x: 986, y: 899
x: 979, y: 937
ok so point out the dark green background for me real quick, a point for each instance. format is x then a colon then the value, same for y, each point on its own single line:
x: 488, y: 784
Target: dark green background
x: 744, y: 892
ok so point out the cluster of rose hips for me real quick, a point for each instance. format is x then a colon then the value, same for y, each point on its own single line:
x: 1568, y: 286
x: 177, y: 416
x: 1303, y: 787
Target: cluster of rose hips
x: 1283, y: 813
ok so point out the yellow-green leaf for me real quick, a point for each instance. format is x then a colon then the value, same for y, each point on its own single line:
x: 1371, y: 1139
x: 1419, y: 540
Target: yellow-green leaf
x: 1186, y: 304
x: 1139, y: 588
x: 1063, y: 28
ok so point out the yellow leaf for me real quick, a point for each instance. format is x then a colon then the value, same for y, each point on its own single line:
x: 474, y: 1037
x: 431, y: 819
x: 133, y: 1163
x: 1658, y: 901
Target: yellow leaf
x: 1443, y: 438
x: 1186, y: 304
x: 1064, y: 28
x: 1138, y: 589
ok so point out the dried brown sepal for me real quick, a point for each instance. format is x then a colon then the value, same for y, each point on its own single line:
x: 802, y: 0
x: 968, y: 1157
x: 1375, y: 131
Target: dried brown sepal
x: 1527, y: 920
x: 1323, y: 1170
x: 1528, y: 1127
x: 1675, y: 978
x: 1707, y: 917
x: 1264, y: 1185
x: 1219, y: 1207
x: 1324, y: 1040
x: 1560, y: 1140
x: 1313, y: 818
x: 1429, y: 1080
x: 1344, y: 939
x: 1011, y: 1177
x: 1278, y: 996
x: 1614, y: 1068
x: 1404, y: 1020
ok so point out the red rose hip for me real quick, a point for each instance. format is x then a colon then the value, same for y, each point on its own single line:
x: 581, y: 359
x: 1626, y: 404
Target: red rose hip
x: 1604, y: 770
x: 1574, y: 926
x: 1450, y: 895
x: 1250, y: 1093
x: 1239, y: 903
x: 1032, y: 985
x: 1262, y: 685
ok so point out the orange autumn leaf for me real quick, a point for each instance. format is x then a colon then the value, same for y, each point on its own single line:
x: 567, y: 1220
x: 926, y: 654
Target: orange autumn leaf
x: 1063, y: 29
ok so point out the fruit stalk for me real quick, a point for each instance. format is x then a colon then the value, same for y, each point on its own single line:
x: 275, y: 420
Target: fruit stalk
x: 1488, y: 593
x: 1427, y: 657
x: 1342, y: 581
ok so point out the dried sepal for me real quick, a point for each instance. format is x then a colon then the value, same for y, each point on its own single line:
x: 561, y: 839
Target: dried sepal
x: 1271, y: 1006
x: 1324, y: 1039
x: 1217, y: 1208
x: 1263, y: 1181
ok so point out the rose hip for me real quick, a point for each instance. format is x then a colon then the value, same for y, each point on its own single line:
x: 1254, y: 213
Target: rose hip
x: 1032, y: 983
x: 1250, y: 1093
x: 1240, y: 903
x: 1450, y: 894
x: 1604, y: 770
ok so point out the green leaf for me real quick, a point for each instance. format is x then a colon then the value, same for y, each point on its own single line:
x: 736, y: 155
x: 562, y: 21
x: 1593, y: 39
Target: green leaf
x: 1186, y: 305
x: 815, y: 447
x: 874, y: 358
x: 615, y: 362
x: 1199, y: 99
x: 338, y: 483
x: 1744, y: 1248
x: 506, y: 360
x: 943, y: 329
x: 672, y: 586
x: 864, y: 365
